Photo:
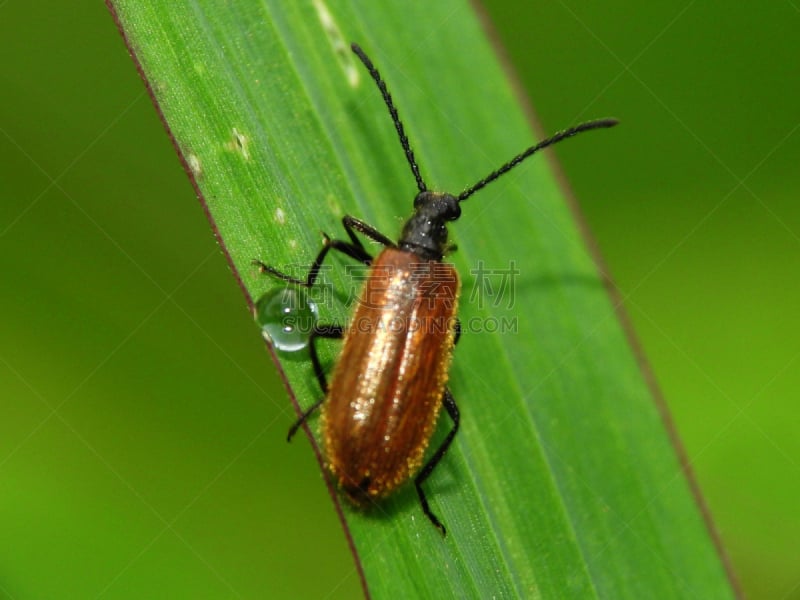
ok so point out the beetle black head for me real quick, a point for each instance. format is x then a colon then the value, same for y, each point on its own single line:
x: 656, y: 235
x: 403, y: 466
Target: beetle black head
x: 425, y: 233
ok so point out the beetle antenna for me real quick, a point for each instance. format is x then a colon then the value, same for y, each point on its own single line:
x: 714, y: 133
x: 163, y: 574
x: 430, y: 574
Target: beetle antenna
x: 398, y: 125
x: 561, y: 135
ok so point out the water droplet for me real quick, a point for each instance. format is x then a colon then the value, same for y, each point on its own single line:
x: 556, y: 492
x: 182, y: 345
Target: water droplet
x: 287, y: 317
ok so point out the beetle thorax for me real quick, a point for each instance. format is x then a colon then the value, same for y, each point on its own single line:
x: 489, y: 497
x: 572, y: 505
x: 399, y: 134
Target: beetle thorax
x: 425, y: 233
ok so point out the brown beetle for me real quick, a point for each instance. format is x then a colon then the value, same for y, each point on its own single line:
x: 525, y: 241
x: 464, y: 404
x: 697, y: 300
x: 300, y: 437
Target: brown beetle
x: 380, y: 409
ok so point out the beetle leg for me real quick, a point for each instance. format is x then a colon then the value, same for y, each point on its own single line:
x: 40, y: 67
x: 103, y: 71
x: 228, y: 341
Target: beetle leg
x: 452, y: 410
x: 458, y: 331
x: 351, y: 224
x: 354, y: 249
x: 333, y: 332
x: 303, y: 418
x: 347, y: 248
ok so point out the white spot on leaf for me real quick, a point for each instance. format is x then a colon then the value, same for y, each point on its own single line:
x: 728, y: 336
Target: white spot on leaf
x: 340, y: 46
x: 239, y: 144
x: 194, y: 165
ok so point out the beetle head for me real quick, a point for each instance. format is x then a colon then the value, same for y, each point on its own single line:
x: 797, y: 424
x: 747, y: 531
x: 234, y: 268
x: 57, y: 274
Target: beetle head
x: 425, y: 233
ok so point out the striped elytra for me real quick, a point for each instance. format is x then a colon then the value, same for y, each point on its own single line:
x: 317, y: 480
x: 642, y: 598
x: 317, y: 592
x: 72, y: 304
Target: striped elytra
x: 386, y: 390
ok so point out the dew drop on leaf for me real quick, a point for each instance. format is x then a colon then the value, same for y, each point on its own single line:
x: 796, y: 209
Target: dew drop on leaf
x: 287, y: 317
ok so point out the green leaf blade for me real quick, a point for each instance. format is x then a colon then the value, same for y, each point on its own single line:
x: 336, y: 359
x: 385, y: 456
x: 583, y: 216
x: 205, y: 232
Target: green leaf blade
x: 563, y: 481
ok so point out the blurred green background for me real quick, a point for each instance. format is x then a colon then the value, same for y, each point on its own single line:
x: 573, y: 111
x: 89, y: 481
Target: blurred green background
x: 142, y: 448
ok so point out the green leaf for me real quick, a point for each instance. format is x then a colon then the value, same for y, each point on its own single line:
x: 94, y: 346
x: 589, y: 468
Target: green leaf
x: 564, y: 480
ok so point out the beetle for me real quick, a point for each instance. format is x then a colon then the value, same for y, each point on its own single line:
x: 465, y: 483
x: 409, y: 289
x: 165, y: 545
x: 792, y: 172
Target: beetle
x: 380, y: 409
